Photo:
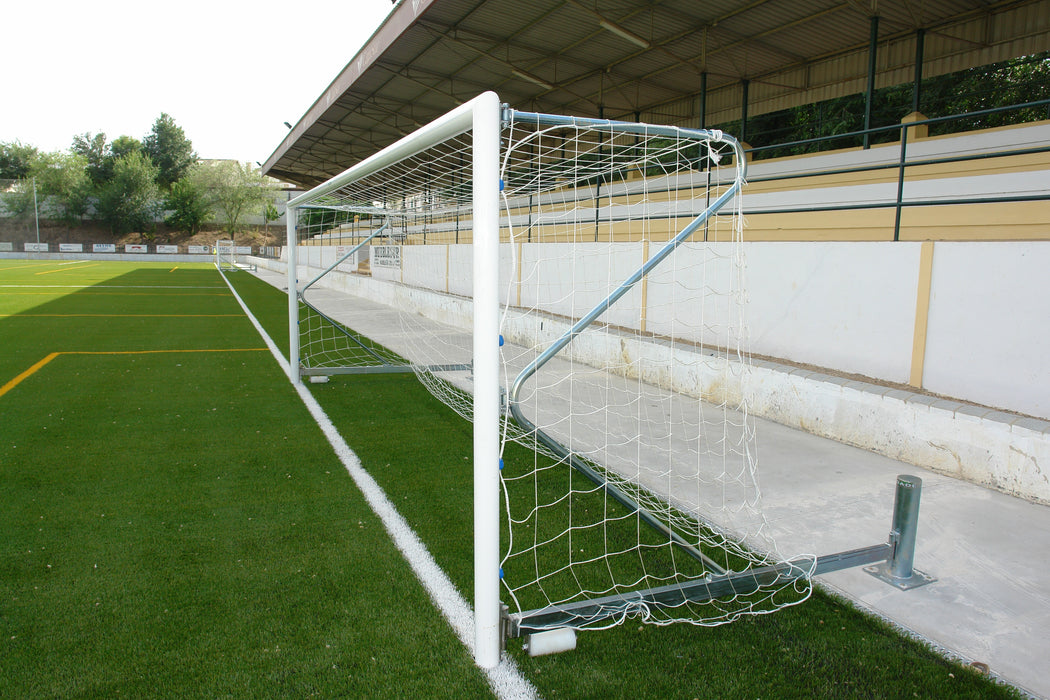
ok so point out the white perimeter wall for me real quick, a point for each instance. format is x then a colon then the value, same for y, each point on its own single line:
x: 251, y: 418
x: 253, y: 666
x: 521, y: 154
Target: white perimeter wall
x: 845, y: 306
x: 989, y: 324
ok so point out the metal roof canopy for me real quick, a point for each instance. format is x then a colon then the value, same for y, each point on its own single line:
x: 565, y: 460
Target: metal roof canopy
x: 638, y: 61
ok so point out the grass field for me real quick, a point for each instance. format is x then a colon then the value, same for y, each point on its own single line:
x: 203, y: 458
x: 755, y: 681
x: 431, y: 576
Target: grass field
x: 173, y: 524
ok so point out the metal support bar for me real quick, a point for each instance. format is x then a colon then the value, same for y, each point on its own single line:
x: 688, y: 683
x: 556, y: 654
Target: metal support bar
x: 892, y: 563
x: 900, y: 185
x: 381, y: 229
x: 349, y: 336
x: 700, y: 591
x: 541, y: 119
x: 379, y: 369
x: 301, y: 296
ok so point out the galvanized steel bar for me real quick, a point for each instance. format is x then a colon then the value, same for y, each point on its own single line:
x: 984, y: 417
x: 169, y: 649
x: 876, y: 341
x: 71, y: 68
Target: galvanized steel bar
x: 700, y: 591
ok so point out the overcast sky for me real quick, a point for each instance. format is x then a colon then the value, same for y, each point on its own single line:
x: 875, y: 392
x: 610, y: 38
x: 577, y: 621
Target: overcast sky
x: 230, y: 72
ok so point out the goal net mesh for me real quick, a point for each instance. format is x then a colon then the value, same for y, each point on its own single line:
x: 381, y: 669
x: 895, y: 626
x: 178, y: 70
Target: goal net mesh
x: 629, y: 459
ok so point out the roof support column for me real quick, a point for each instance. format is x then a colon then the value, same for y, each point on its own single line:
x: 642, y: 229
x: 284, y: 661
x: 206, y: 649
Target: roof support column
x: 920, y: 49
x: 745, y: 84
x: 703, y: 100
x: 868, y: 97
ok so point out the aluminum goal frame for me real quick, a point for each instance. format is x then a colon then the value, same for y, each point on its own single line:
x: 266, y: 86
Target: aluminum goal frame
x: 482, y: 117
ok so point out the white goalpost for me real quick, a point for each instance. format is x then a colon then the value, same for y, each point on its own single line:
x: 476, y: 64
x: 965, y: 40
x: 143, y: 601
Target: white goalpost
x: 224, y: 255
x: 367, y: 189
x: 575, y: 288
x: 231, y: 257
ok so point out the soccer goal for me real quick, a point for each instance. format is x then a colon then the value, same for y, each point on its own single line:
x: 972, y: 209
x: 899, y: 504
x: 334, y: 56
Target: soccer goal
x: 231, y: 257
x: 575, y: 287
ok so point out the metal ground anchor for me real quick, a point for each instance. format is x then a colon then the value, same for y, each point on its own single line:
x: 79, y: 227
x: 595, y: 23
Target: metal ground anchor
x: 897, y: 570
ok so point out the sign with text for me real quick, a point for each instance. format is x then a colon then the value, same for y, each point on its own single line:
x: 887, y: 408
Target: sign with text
x: 136, y: 248
x: 199, y: 250
x: 7, y: 247
x: 36, y: 247
x: 70, y: 247
x: 386, y: 256
x: 348, y: 264
x: 242, y: 250
x: 104, y: 248
x: 167, y: 249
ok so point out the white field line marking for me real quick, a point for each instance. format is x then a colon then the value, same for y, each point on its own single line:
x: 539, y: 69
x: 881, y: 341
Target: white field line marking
x: 505, y: 679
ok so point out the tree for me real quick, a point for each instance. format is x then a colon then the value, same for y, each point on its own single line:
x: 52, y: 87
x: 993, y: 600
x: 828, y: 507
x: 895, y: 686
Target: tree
x: 92, y: 147
x: 62, y: 178
x: 123, y: 145
x: 20, y: 201
x: 270, y: 213
x: 15, y: 160
x: 1011, y: 82
x: 169, y: 149
x: 187, y: 203
x: 129, y: 200
x: 236, y: 190
x: 100, y: 156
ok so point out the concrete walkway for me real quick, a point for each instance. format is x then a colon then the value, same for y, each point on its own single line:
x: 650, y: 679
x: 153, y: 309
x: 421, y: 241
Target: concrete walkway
x: 991, y: 600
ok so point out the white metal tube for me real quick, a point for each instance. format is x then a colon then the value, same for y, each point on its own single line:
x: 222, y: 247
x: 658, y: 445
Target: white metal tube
x: 451, y: 124
x: 486, y: 121
x: 293, y: 295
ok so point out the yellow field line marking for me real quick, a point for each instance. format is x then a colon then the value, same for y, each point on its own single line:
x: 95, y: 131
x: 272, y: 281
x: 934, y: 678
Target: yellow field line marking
x: 156, y: 352
x: 40, y: 364
x: 28, y: 373
x: 113, y: 286
x: 122, y: 294
x: 121, y: 315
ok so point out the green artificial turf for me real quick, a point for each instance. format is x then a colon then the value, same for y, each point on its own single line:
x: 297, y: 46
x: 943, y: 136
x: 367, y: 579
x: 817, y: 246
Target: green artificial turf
x: 174, y: 524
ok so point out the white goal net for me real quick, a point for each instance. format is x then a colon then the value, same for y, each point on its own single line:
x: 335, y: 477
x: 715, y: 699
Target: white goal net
x: 232, y: 257
x: 628, y: 465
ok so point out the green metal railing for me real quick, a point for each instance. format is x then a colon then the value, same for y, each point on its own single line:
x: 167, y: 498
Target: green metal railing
x: 902, y: 164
